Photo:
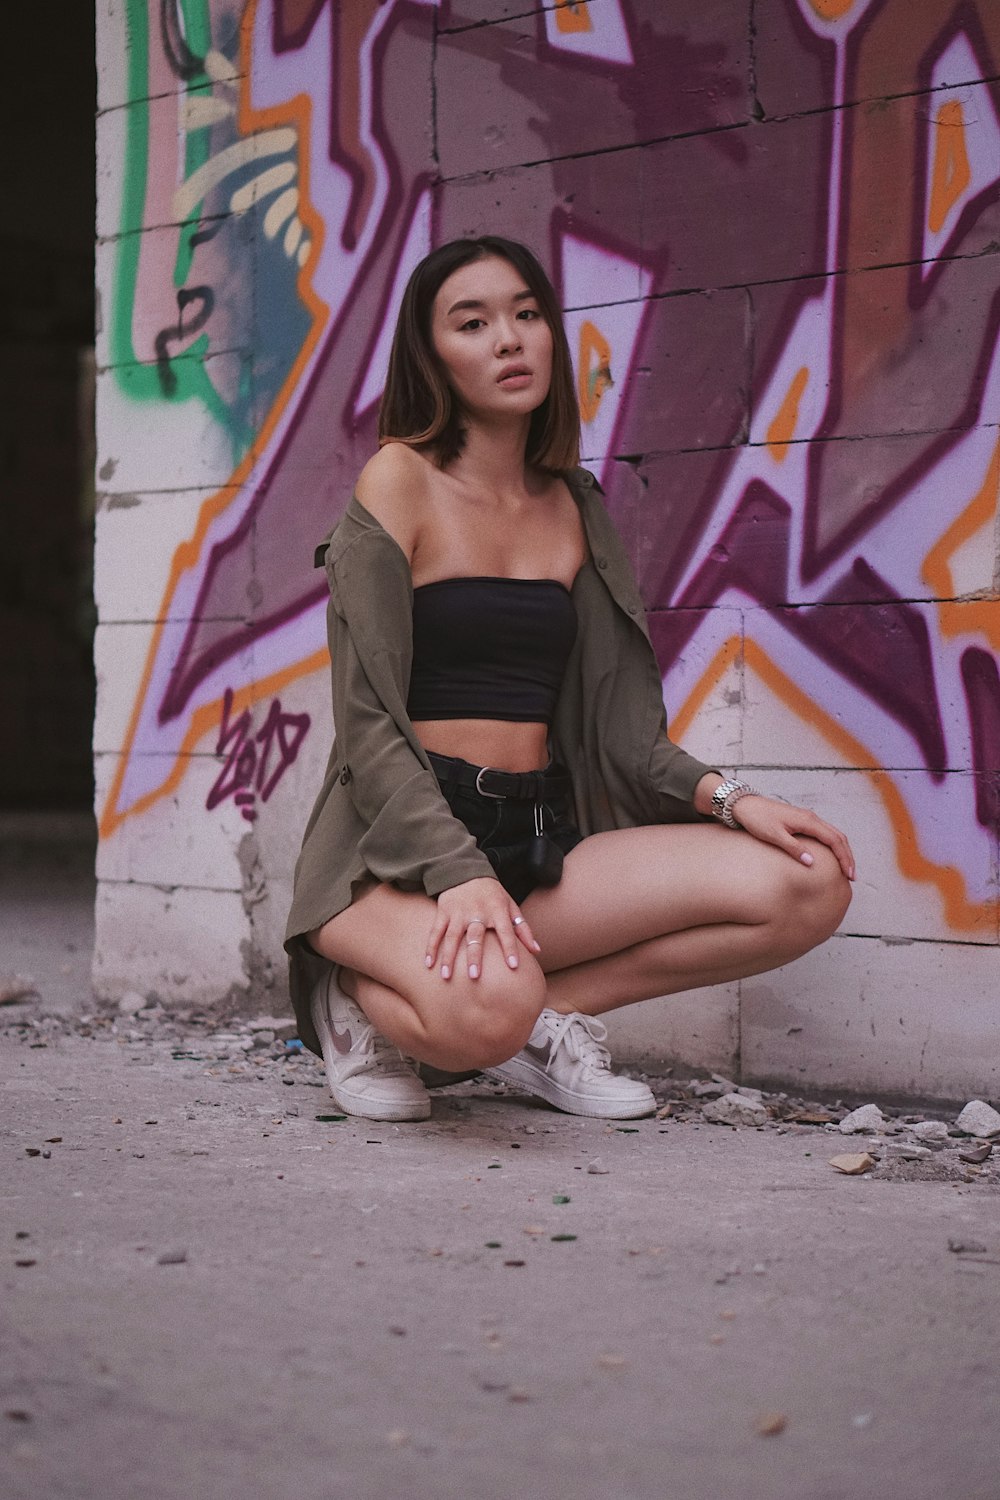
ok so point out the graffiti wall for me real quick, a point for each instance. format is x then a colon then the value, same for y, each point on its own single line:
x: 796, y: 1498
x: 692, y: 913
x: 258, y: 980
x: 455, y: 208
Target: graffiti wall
x: 775, y: 229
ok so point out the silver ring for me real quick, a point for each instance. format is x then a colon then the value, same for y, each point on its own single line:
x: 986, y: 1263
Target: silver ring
x: 518, y: 921
x: 476, y: 919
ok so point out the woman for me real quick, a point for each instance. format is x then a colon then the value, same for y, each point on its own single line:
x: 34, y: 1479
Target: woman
x: 507, y: 845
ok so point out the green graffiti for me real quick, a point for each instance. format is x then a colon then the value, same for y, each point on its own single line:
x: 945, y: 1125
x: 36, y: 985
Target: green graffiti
x: 139, y: 381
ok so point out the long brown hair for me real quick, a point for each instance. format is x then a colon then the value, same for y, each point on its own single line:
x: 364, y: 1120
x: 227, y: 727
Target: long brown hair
x: 418, y: 405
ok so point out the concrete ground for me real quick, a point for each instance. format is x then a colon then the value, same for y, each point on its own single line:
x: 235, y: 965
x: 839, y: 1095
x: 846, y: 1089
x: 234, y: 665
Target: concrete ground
x: 207, y: 1288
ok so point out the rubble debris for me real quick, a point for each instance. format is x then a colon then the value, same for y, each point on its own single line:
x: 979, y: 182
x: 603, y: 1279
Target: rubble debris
x: 14, y: 987
x: 172, y: 1258
x: 852, y: 1163
x: 979, y: 1119
x: 930, y: 1130
x: 976, y: 1154
x: 966, y: 1247
x: 734, y: 1109
x: 866, y: 1119
x: 597, y: 1168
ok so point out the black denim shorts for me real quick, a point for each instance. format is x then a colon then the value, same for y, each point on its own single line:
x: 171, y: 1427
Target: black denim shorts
x: 508, y: 829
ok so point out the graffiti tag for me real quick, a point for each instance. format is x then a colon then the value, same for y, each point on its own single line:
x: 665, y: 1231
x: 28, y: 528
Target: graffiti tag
x: 254, y: 763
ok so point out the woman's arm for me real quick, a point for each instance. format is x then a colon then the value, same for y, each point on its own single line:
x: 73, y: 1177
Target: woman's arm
x: 779, y: 823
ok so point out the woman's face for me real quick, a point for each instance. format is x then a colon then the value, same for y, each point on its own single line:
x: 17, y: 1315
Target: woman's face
x: 490, y: 335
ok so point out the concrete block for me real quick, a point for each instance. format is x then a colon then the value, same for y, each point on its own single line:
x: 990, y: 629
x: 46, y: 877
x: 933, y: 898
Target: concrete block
x: 689, y: 383
x: 121, y: 659
x: 905, y: 705
x: 703, y: 684
x: 926, y: 869
x: 147, y: 442
x: 585, y: 90
x: 697, y: 1030
x: 862, y: 1016
x: 593, y: 198
x: 935, y: 380
x: 774, y: 174
x: 186, y: 945
x: 137, y: 592
x: 176, y: 841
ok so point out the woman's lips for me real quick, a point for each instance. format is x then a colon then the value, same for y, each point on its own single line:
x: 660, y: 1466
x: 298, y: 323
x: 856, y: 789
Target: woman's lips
x: 515, y: 378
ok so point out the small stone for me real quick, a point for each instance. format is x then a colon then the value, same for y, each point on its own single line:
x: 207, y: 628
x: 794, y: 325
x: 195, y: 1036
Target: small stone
x: 979, y: 1119
x: 728, y: 1086
x: 852, y: 1163
x: 930, y: 1130
x: 976, y: 1154
x: 263, y: 1038
x: 867, y: 1118
x: 908, y: 1150
x: 131, y: 1003
x: 734, y: 1109
x: 966, y: 1247
x: 172, y: 1258
x: 707, y: 1090
x: 746, y: 1092
x: 596, y: 1168
x: 14, y: 987
x: 770, y: 1423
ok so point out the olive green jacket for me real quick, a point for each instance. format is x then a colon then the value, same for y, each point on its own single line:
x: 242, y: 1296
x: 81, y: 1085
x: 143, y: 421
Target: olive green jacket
x: 380, y: 812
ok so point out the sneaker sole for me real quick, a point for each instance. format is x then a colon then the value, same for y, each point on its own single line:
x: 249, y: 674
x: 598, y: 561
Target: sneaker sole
x: 564, y: 1099
x: 365, y: 1109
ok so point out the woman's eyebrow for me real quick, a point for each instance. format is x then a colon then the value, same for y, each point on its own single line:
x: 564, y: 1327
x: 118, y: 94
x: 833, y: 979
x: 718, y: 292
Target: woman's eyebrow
x: 472, y: 303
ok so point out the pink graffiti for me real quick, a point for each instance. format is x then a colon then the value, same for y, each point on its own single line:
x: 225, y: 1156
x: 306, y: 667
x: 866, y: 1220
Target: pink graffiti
x: 255, y: 763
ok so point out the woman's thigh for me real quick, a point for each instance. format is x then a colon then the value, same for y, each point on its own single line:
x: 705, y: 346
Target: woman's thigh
x: 383, y: 934
x: 633, y: 884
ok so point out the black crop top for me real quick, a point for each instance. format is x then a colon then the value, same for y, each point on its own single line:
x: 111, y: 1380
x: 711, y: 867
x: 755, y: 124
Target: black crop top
x: 490, y: 648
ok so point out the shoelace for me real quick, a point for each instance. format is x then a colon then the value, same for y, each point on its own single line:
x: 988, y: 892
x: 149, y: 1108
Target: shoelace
x: 582, y: 1036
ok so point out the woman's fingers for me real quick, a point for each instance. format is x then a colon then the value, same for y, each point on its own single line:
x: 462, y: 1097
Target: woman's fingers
x: 434, y: 937
x: 524, y: 933
x: 475, y: 937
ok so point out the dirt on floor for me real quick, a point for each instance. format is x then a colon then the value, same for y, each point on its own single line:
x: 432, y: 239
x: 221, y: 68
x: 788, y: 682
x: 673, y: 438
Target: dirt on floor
x: 213, y: 1282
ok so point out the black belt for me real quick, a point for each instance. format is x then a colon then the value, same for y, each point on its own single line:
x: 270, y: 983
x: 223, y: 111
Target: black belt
x: 519, y: 786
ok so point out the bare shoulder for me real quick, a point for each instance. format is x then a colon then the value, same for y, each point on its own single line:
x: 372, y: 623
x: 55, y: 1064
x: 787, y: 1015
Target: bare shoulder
x: 393, y: 486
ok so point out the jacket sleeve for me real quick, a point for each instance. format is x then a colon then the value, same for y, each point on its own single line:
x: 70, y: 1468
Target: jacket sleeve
x: 412, y: 836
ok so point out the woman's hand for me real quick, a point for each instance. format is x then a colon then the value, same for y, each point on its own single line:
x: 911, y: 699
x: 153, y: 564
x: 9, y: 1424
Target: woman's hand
x: 467, y: 912
x: 778, y: 823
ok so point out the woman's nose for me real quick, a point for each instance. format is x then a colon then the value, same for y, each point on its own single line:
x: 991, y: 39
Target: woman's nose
x: 508, y: 339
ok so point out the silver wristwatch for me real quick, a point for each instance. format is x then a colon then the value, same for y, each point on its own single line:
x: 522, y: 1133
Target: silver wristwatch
x: 725, y: 797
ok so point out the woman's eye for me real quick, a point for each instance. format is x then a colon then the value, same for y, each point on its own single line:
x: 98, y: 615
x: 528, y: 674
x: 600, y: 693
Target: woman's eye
x: 470, y: 325
x: 528, y: 312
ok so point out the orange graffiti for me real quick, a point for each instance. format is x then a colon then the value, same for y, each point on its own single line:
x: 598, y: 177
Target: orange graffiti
x: 973, y: 615
x: 298, y: 111
x: 951, y: 174
x: 574, y: 16
x: 961, y: 914
x: 782, y: 429
x: 595, y: 369
x: 831, y: 10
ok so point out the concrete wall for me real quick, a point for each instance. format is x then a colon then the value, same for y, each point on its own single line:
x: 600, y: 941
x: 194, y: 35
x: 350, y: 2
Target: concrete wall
x: 776, y: 231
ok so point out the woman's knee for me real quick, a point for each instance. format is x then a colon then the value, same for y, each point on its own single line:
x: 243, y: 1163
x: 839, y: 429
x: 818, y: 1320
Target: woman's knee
x: 816, y: 896
x: 493, y: 1017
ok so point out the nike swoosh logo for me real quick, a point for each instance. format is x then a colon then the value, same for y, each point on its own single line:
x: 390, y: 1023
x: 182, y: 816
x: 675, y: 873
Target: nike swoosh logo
x: 540, y: 1054
x: 341, y: 1040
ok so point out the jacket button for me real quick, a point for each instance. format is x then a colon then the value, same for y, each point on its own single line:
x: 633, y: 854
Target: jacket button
x: 633, y: 609
x: 345, y: 775
x: 602, y: 563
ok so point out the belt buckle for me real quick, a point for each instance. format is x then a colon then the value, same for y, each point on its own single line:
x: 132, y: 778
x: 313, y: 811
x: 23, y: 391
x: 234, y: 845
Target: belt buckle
x: 496, y: 796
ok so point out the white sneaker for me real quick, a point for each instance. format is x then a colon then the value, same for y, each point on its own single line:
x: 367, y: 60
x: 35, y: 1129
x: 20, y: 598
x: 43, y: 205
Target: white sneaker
x: 565, y: 1062
x: 367, y: 1075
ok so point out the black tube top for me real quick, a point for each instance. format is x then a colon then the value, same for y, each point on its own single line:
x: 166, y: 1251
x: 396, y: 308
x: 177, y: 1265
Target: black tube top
x: 490, y: 648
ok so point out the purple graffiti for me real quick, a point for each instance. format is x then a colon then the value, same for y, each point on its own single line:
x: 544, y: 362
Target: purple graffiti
x: 254, y: 763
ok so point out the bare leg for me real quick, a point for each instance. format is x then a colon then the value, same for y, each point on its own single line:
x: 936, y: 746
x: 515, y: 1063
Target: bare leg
x: 453, y: 1024
x: 650, y: 911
